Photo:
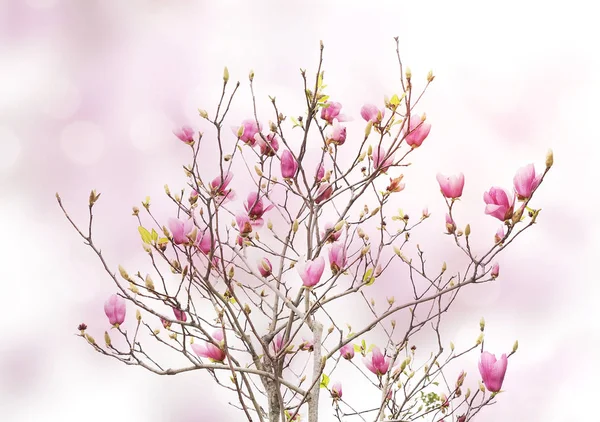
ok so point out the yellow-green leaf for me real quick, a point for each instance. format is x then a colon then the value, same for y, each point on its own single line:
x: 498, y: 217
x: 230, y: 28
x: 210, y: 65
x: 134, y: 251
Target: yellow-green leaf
x: 146, y: 236
x: 395, y: 100
x: 154, y: 235
x: 324, y: 381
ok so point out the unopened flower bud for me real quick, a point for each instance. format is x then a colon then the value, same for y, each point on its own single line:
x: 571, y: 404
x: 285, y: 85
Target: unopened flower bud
x: 149, y: 283
x: 451, y: 347
x: 468, y: 230
x: 549, y: 159
x: 225, y: 74
x: 479, y: 339
x: 482, y: 324
x: 203, y: 113
x: 138, y: 315
x: 408, y: 73
x: 90, y: 339
x: 444, y: 267
x: 295, y: 226
x: 107, y: 339
x: 136, y: 211
x: 430, y: 76
x: 124, y: 273
x: 515, y: 346
x: 251, y: 75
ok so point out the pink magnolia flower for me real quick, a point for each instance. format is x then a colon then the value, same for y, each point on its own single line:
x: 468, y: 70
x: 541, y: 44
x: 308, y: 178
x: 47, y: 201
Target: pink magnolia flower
x: 379, y: 160
x: 249, y: 129
x: 461, y: 379
x: 338, y: 134
x: 180, y: 230
x: 209, y: 350
x: 378, y: 363
x: 268, y: 147
x: 371, y: 113
x: 255, y: 209
x: 499, y: 203
x: 185, y: 134
x: 115, y: 310
x: 218, y: 187
x: 336, y: 391
x: 337, y: 257
x: 495, y: 270
x: 204, y: 242
x: 324, y: 193
x: 165, y: 323
x: 499, y: 235
x: 417, y: 131
x: 332, y: 111
x: 492, y: 371
x: 526, y: 181
x: 451, y: 186
x: 307, y: 345
x: 347, y: 351
x: 450, y: 225
x: 312, y: 271
x: 244, y: 225
x: 179, y: 314
x: 331, y: 233
x: 289, y: 165
x: 264, y: 267
x: 320, y: 172
x: 277, y: 343
x: 425, y: 213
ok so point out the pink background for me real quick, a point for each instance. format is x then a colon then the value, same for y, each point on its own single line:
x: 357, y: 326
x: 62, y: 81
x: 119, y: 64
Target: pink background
x: 89, y: 94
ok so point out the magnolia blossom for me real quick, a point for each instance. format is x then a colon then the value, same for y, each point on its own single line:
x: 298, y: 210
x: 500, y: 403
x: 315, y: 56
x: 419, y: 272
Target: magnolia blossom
x: 115, y: 310
x: 336, y: 391
x: 417, y: 131
x: 179, y: 314
x: 312, y: 271
x: 492, y: 371
x: 499, y: 203
x: 268, y: 146
x: 379, y: 160
x: 331, y: 233
x: 204, y: 242
x: 499, y: 235
x: 320, y: 172
x: 371, y: 113
x: 165, y: 323
x: 209, y: 350
x: 264, y: 267
x: 337, y: 257
x: 289, y: 165
x: 255, y: 208
x: 451, y: 186
x: 247, y: 131
x: 425, y: 213
x: 450, y: 225
x: 218, y: 187
x: 495, y: 270
x: 307, y: 345
x: 332, y: 111
x: 181, y: 230
x: 395, y: 185
x: 277, y: 343
x: 244, y: 224
x: 526, y: 181
x: 185, y: 134
x: 338, y: 134
x: 324, y: 193
x: 347, y: 351
x: 378, y: 363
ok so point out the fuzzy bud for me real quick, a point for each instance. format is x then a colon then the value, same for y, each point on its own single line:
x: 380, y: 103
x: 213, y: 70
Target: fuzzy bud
x: 549, y: 159
x: 107, y: 339
x: 515, y: 346
x: 225, y: 74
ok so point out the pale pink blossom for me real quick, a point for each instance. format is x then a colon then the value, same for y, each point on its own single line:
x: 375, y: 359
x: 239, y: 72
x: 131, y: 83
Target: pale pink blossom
x: 179, y: 314
x: 492, y: 371
x: 338, y: 134
x: 209, y: 350
x: 347, y: 351
x: 417, y: 131
x: 526, y: 181
x: 499, y: 203
x: 255, y: 208
x: 380, y: 160
x: 204, y: 242
x: 450, y: 225
x: 451, y: 186
x: 324, y: 193
x: 277, y: 343
x: 185, y: 134
x: 264, y: 267
x: 312, y: 271
x: 425, y: 212
x: 499, y: 235
x: 337, y: 257
x: 115, y: 310
x: 244, y: 225
x: 320, y: 172
x: 332, y: 111
x: 307, y: 345
x: 268, y: 146
x: 371, y: 113
x: 495, y: 270
x: 331, y: 233
x: 289, y: 165
x: 336, y: 390
x: 249, y: 129
x: 180, y: 230
x: 219, y: 187
x: 378, y: 363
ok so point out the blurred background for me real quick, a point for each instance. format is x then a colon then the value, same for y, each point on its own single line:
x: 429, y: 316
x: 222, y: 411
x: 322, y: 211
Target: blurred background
x: 91, y: 90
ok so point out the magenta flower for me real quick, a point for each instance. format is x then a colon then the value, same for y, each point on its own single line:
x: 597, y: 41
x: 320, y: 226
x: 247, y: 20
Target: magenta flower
x: 289, y: 165
x: 244, y: 225
x: 492, y: 371
x: 264, y: 267
x: 320, y: 172
x: 209, y: 350
x: 337, y: 257
x: 277, y: 343
x: 450, y: 225
x: 347, y: 351
x: 312, y: 271
x: 324, y: 193
x: 418, y: 130
x: 333, y: 234
x: 378, y: 364
x: 499, y: 203
x: 179, y: 314
x: 180, y: 230
x: 451, y: 186
x: 332, y: 111
x: 268, y: 147
x: 255, y: 209
x: 495, y: 270
x: 526, y: 181
x: 338, y: 134
x: 218, y: 187
x: 379, y: 160
x: 204, y: 242
x: 115, y: 310
x: 185, y: 134
x: 372, y: 114
x: 336, y: 391
x: 499, y: 235
x: 249, y: 129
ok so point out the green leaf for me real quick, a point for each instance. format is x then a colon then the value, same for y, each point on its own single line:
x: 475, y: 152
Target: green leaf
x: 357, y: 348
x: 324, y: 381
x: 370, y: 348
x: 154, y: 235
x: 395, y: 100
x: 146, y: 236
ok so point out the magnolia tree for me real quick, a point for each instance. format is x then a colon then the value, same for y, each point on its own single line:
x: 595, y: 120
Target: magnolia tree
x: 251, y: 294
